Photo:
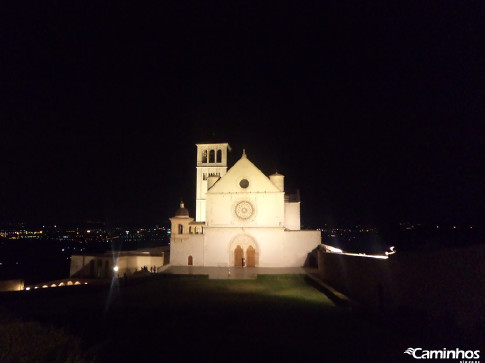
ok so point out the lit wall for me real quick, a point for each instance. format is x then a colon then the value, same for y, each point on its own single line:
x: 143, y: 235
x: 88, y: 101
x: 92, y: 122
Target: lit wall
x: 274, y: 247
x: 131, y: 264
x: 181, y: 249
x: 205, y: 167
x: 200, y: 203
x: 12, y: 285
x: 101, y: 266
x: 292, y: 216
x: 267, y: 209
x: 443, y: 284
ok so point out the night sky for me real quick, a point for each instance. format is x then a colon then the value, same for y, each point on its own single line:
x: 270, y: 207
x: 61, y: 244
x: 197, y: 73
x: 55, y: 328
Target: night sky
x: 375, y: 112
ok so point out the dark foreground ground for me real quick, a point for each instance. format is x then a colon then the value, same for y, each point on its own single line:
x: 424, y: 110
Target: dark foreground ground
x: 185, y: 318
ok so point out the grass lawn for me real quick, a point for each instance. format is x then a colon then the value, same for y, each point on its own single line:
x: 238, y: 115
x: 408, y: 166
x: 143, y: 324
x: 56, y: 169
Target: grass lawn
x: 276, y: 317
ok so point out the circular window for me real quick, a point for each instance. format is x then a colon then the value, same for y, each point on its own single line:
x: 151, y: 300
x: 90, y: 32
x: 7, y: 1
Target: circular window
x: 244, y: 183
x: 244, y: 210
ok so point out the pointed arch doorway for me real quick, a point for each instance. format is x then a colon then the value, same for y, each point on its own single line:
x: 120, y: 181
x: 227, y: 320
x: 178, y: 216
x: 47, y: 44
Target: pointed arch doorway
x: 243, y: 246
x: 250, y: 257
x: 238, y: 256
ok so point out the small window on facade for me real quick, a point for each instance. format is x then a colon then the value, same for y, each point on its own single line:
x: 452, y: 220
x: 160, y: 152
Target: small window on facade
x: 219, y: 156
x: 212, y: 156
x: 204, y: 156
x: 181, y: 229
x: 244, y: 183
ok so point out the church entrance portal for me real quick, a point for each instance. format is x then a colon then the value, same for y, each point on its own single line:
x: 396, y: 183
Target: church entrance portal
x: 238, y: 256
x: 243, y: 251
x: 250, y: 257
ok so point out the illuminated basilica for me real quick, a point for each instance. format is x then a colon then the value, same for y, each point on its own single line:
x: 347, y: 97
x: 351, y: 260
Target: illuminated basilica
x: 243, y: 218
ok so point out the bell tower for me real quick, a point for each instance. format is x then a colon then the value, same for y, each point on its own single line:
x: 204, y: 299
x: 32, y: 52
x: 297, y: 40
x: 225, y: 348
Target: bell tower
x: 211, y: 161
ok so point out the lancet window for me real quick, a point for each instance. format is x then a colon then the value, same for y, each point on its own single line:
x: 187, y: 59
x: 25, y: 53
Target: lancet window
x: 219, y: 156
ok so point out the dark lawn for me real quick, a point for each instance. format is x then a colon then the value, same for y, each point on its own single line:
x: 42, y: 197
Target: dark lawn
x: 193, y: 318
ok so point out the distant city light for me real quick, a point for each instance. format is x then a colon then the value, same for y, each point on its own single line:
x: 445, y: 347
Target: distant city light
x: 116, y: 268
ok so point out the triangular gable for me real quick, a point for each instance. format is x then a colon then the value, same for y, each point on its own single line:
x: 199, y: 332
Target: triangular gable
x: 243, y: 169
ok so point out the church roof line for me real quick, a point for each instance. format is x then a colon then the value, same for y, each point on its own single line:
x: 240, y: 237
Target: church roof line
x: 244, y: 168
x: 214, y: 143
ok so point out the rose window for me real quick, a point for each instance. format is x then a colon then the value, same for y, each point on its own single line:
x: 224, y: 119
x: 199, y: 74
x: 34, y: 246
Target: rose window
x: 244, y: 210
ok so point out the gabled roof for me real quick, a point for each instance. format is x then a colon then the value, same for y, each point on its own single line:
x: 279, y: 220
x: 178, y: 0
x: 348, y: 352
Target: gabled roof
x: 243, y: 169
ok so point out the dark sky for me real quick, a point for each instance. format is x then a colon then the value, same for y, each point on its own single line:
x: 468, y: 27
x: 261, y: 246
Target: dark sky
x: 375, y: 112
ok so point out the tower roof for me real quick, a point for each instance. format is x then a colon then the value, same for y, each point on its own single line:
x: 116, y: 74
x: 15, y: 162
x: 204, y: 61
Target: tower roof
x: 182, y: 211
x: 276, y: 174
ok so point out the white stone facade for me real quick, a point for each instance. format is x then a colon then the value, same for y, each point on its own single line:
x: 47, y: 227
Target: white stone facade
x: 248, y: 220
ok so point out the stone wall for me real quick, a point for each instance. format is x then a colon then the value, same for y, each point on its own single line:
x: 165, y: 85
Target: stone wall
x: 442, y: 284
x: 101, y: 266
x: 12, y: 285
